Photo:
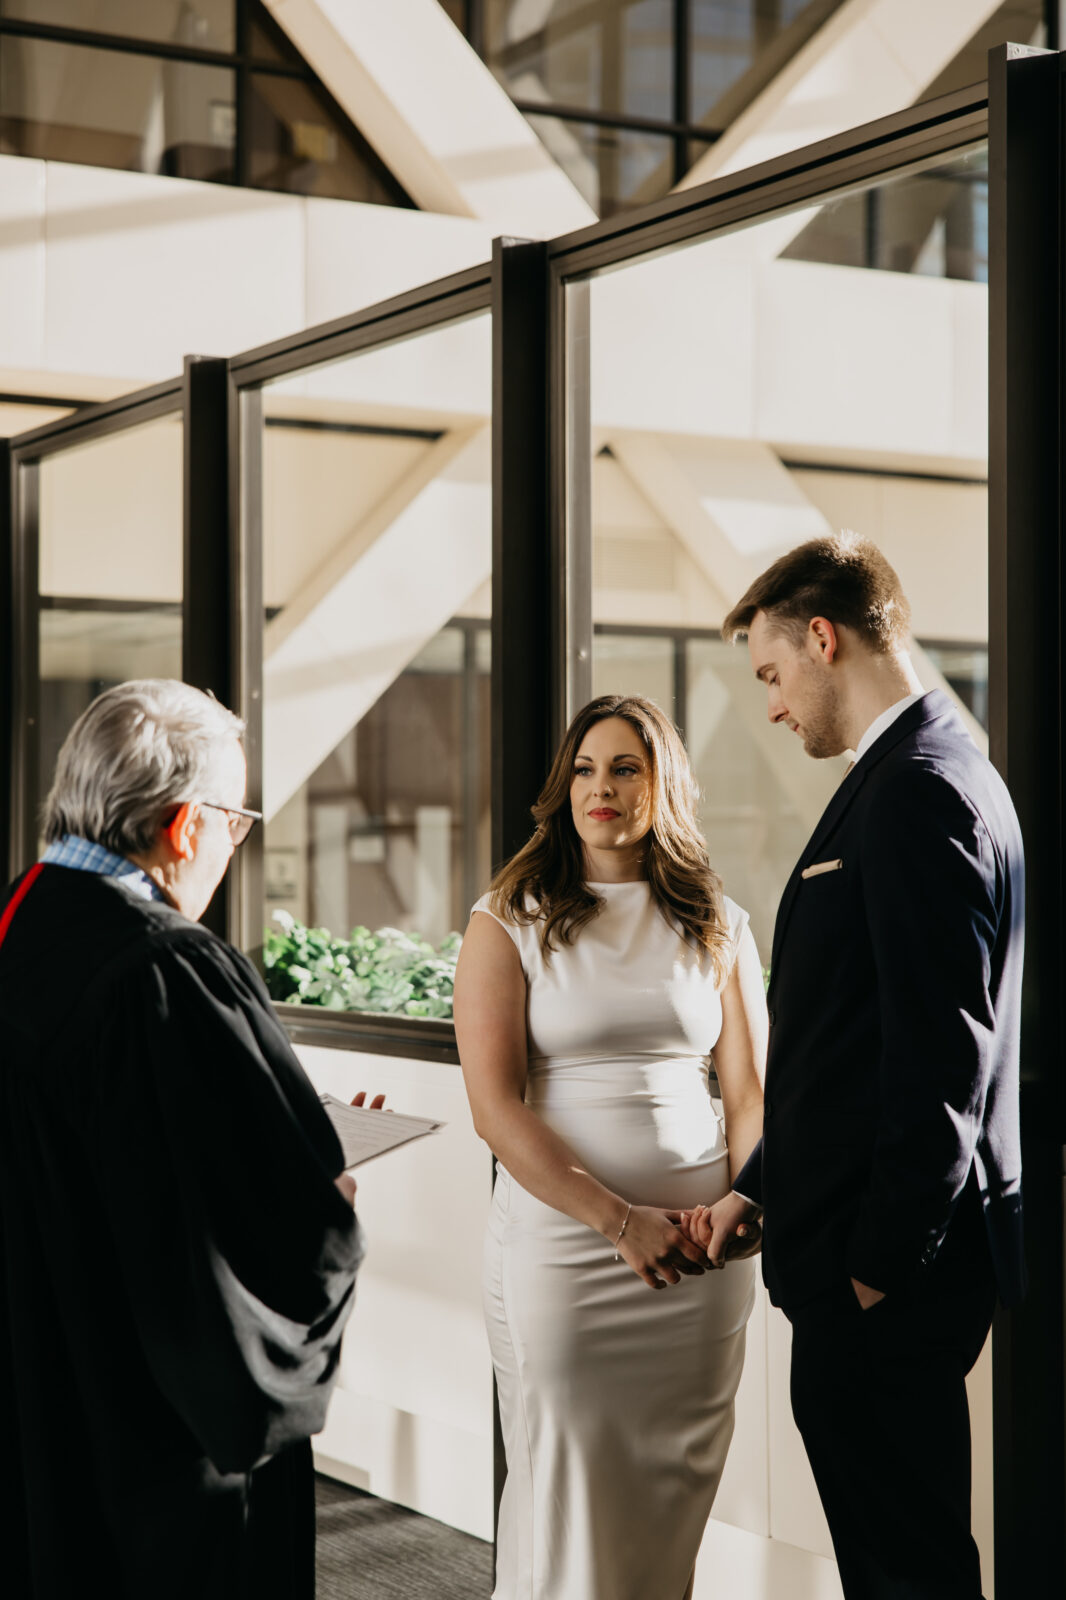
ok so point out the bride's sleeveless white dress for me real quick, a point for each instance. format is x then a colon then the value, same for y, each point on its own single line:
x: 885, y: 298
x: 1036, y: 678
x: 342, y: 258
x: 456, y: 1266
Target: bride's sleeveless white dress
x: 616, y: 1400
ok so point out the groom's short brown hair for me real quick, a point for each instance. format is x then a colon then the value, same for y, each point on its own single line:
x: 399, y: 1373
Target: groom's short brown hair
x: 843, y: 578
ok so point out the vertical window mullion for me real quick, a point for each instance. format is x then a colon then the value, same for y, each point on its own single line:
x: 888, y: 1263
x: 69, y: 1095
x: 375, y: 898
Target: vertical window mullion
x: 242, y: 99
x: 25, y: 646
x: 524, y: 601
x: 8, y: 662
x: 681, y: 87
x: 207, y: 575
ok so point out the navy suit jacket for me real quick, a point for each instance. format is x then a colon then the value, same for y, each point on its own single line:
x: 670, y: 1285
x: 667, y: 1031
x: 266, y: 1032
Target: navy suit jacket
x: 895, y: 1003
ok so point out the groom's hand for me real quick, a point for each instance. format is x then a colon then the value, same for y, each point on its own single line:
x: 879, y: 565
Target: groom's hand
x: 866, y: 1296
x: 727, y: 1230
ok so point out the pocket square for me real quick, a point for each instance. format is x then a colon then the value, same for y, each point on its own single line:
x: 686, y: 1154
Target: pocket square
x: 819, y: 867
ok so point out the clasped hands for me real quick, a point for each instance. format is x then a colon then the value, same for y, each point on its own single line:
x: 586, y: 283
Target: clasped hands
x: 662, y: 1247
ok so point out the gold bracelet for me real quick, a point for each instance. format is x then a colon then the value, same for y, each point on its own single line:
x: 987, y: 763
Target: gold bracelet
x: 622, y: 1229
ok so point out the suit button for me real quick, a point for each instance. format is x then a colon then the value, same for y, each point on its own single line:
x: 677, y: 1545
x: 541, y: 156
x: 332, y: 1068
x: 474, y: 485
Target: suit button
x: 768, y: 1108
x: 773, y: 1019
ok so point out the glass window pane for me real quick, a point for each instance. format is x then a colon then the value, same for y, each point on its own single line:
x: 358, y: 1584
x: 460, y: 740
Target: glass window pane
x: 616, y: 57
x: 298, y: 145
x: 933, y: 223
x: 87, y: 649
x: 646, y: 48
x: 67, y: 103
x: 738, y: 45
x: 267, y: 41
x: 111, y: 516
x: 747, y: 396
x: 635, y: 663
x: 110, y: 572
x: 377, y: 557
x: 1015, y: 22
x: 612, y: 167
x: 205, y: 24
x: 753, y: 817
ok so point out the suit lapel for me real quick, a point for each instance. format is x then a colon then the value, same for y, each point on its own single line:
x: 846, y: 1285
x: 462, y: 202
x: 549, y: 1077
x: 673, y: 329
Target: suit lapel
x: 834, y: 811
x: 929, y: 708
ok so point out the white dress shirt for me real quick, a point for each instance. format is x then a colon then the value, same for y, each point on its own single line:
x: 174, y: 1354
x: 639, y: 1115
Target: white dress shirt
x: 880, y: 724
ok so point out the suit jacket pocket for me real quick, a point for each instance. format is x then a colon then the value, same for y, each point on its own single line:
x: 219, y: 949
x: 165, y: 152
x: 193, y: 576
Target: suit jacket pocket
x: 818, y: 868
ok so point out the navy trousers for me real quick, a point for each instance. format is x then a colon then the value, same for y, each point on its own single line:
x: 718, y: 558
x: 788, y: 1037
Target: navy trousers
x: 879, y: 1397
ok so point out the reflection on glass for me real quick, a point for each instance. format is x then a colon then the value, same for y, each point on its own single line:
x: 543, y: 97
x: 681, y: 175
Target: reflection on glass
x: 204, y: 24
x: 965, y: 668
x: 738, y: 44
x: 754, y: 825
x: 104, y: 108
x: 297, y: 144
x: 636, y: 663
x: 377, y: 557
x: 615, y: 58
x: 88, y: 648
x: 933, y: 223
x: 1013, y: 22
x: 266, y: 41
x: 110, y: 572
x: 612, y: 167
x: 746, y: 397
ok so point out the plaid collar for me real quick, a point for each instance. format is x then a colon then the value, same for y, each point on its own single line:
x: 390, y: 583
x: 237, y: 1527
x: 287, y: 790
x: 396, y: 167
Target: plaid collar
x: 85, y: 856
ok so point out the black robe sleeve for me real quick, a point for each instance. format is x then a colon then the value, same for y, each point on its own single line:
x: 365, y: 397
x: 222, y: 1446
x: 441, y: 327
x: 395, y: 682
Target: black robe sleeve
x: 216, y: 1165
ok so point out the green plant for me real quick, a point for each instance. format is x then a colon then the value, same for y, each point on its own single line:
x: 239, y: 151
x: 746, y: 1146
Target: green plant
x: 387, y: 971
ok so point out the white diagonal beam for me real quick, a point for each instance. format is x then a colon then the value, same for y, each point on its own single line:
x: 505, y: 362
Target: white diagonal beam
x: 434, y: 112
x: 870, y: 58
x: 736, y: 508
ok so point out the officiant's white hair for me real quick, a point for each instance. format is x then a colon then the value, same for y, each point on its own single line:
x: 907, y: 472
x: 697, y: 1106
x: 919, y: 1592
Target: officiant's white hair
x: 139, y: 750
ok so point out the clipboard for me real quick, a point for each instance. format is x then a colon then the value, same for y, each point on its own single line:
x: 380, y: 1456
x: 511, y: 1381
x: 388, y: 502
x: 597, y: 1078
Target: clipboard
x: 364, y: 1134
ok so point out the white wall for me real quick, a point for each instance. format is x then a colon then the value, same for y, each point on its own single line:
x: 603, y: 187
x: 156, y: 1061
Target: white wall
x: 118, y: 275
x: 411, y: 1420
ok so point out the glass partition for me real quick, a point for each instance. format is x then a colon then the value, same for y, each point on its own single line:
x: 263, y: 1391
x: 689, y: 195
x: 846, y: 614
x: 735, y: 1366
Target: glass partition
x: 110, y: 573
x: 376, y: 496
x: 110, y: 108
x: 205, y: 24
x: 748, y: 391
x: 759, y: 388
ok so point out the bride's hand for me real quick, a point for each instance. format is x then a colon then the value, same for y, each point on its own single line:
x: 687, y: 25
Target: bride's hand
x: 657, y: 1249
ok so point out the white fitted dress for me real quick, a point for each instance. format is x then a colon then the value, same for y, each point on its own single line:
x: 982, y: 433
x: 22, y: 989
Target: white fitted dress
x: 616, y: 1400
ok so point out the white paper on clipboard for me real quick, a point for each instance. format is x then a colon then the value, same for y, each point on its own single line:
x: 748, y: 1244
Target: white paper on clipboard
x: 365, y: 1134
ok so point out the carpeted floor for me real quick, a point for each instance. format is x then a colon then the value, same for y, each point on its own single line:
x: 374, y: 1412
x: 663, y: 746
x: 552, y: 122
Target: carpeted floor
x: 372, y: 1550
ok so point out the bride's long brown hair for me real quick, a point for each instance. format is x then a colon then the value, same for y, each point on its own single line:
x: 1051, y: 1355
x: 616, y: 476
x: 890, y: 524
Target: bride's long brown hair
x: 545, y: 881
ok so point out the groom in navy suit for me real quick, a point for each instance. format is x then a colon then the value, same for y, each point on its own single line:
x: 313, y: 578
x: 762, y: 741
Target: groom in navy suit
x: 889, y: 1169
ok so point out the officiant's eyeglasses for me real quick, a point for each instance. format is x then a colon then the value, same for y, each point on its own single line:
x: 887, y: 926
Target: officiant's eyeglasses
x: 240, y: 821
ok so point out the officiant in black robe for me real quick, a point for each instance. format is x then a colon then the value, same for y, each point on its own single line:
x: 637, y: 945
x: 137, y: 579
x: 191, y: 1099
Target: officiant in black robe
x: 177, y: 1242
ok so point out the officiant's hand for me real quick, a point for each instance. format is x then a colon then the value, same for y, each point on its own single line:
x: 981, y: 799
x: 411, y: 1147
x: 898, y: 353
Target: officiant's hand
x: 346, y: 1183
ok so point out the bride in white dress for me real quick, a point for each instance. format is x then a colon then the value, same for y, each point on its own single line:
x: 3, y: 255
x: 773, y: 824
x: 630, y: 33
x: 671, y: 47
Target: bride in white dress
x: 595, y: 980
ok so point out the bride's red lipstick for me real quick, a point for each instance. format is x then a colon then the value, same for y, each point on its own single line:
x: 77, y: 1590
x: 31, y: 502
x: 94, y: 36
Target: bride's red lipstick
x: 604, y: 814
